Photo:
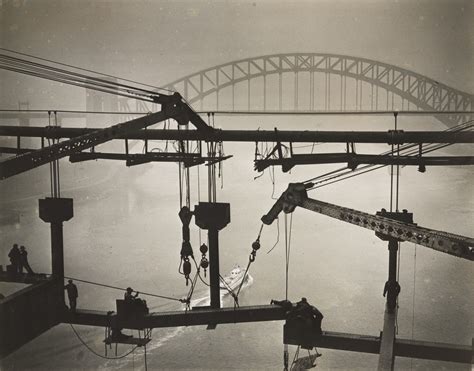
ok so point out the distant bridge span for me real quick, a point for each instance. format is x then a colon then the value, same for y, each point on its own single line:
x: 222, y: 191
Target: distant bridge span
x: 319, y: 81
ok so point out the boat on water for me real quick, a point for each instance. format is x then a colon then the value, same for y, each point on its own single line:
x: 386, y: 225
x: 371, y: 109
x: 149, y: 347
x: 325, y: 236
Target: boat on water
x: 234, y: 279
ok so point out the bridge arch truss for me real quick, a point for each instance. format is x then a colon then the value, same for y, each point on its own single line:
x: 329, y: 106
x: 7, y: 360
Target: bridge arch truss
x: 318, y: 82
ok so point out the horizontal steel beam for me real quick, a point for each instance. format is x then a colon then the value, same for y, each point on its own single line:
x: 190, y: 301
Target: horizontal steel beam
x: 402, y: 347
x: 188, y: 159
x: 354, y: 160
x: 330, y: 340
x: 41, y: 113
x: 434, y: 351
x: 395, y: 137
x: 195, y: 317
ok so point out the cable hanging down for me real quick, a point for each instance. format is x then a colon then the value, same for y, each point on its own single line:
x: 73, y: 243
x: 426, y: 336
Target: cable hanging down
x: 97, y: 354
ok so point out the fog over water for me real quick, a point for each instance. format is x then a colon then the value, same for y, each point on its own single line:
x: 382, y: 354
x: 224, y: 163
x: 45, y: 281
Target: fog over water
x: 126, y: 231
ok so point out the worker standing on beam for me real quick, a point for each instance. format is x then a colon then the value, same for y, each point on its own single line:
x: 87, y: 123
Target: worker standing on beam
x: 72, y: 294
x: 392, y: 288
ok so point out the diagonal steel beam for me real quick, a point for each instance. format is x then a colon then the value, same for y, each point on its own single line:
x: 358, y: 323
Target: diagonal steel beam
x: 449, y: 243
x: 31, y: 160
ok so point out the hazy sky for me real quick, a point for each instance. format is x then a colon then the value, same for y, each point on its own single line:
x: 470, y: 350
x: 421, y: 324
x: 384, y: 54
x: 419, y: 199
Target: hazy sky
x: 159, y: 41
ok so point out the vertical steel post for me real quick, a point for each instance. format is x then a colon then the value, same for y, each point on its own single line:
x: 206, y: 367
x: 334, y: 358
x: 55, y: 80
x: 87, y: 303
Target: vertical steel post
x: 56, y: 211
x: 213, y: 216
x: 392, y: 259
x: 214, y: 268
x: 57, y: 249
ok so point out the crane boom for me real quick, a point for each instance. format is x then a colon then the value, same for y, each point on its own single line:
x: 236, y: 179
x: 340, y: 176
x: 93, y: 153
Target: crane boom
x: 449, y: 243
x: 175, y: 109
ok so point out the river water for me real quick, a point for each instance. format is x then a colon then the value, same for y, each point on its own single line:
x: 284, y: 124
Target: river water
x: 126, y: 232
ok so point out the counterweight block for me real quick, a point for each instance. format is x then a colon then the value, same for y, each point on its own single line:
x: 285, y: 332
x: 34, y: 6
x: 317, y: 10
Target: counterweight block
x: 55, y: 210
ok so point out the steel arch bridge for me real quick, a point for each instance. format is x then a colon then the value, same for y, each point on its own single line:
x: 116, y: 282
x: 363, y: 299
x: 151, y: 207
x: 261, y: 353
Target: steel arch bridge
x: 318, y: 81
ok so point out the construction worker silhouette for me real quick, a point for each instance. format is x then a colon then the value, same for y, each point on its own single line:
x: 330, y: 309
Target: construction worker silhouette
x: 24, y: 261
x: 14, y: 256
x: 72, y: 294
x: 128, y: 296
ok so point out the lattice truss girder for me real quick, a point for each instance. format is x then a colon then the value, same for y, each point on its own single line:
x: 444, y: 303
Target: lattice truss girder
x: 418, y: 89
x: 449, y: 243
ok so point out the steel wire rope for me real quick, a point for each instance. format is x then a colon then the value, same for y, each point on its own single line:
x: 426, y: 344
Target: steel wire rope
x: 413, y: 304
x: 457, y: 128
x: 245, y: 275
x: 75, y: 83
x: 335, y: 113
x: 370, y: 168
x: 73, y: 111
x: 97, y: 354
x: 278, y: 236
x: 199, y: 273
x: 187, y: 301
x: 272, y: 179
x: 251, y: 260
x: 230, y: 291
x: 63, y: 76
x: 287, y: 251
x: 199, y: 199
x: 121, y: 288
x: 85, y: 69
x: 295, y: 358
x: 48, y: 71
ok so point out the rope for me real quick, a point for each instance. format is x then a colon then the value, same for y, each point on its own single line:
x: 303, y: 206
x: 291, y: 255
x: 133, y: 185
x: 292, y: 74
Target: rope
x: 278, y: 236
x: 180, y: 186
x: 97, y: 354
x: 230, y: 291
x: 368, y: 168
x: 187, y: 301
x: 245, y: 275
x: 83, y: 69
x: 287, y: 251
x: 414, y: 295
x: 199, y: 198
x: 273, y: 182
x: 122, y: 289
x: 199, y: 272
x: 286, y: 256
x: 295, y: 357
x: 398, y: 280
